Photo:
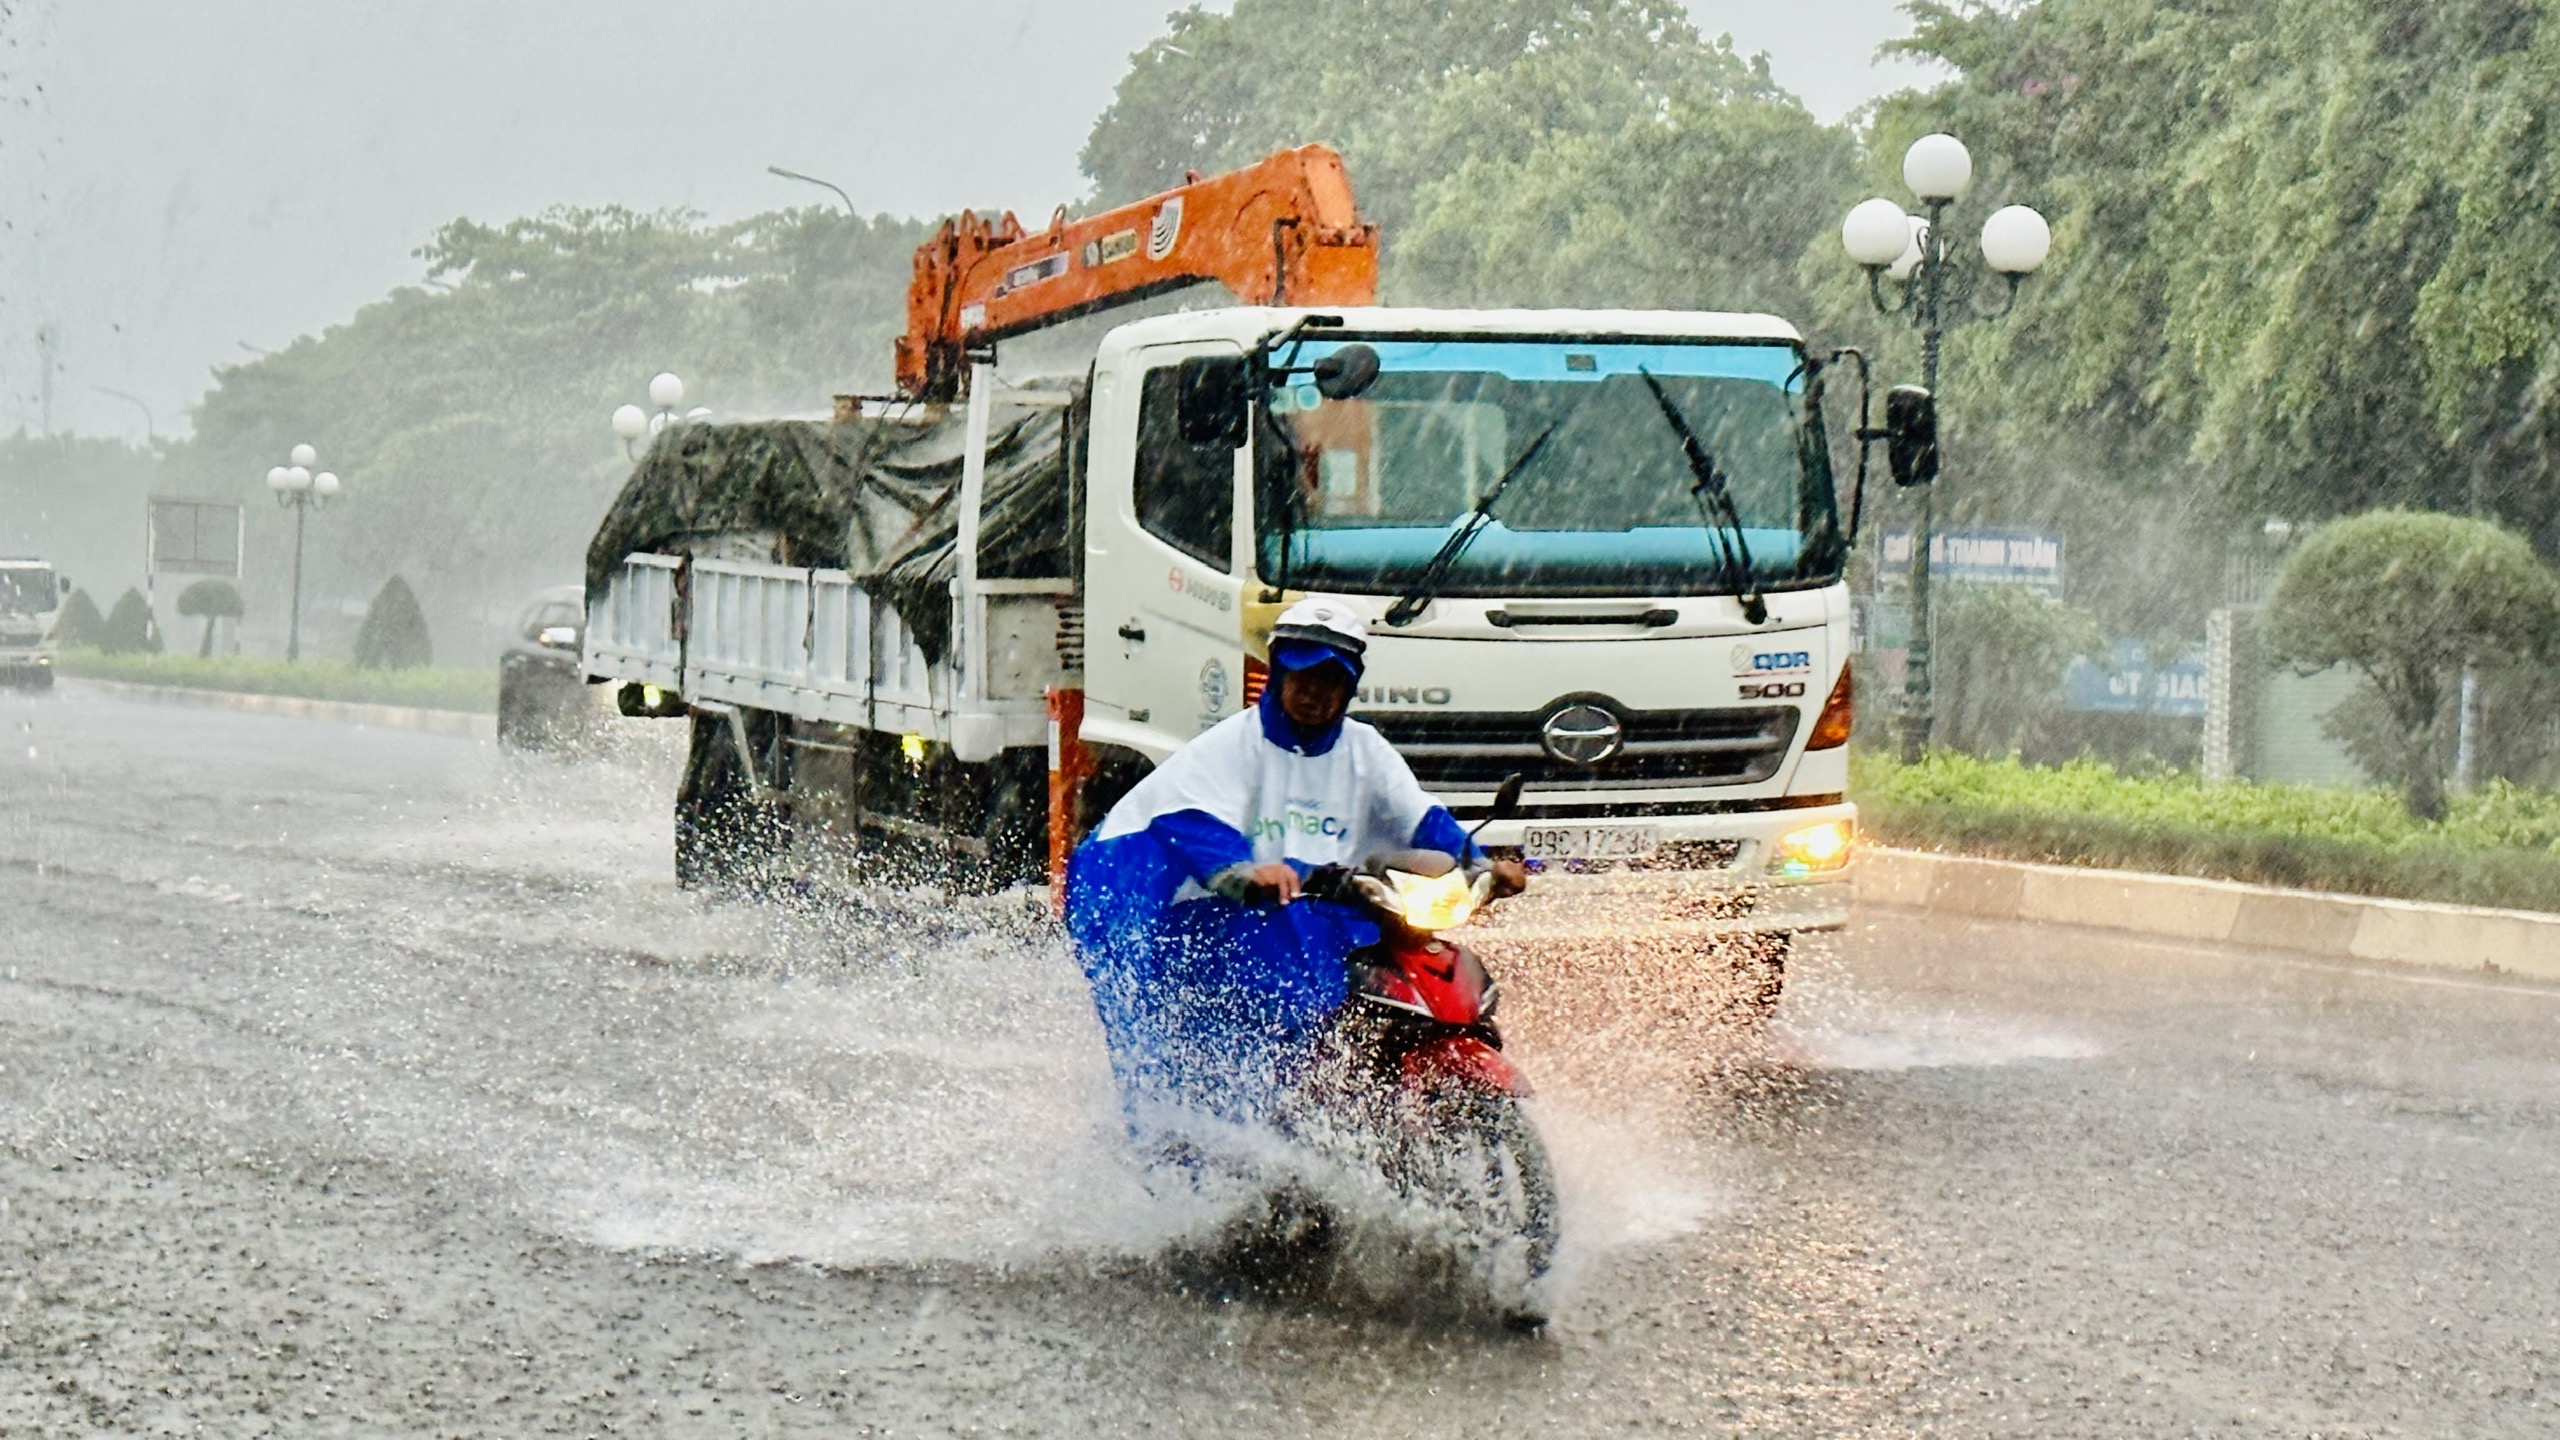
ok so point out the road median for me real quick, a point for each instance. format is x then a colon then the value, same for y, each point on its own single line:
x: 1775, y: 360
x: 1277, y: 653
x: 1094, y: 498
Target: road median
x: 343, y: 712
x: 2338, y: 927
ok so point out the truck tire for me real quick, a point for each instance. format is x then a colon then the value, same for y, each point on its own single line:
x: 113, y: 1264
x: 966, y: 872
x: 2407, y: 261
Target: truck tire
x: 515, y: 727
x: 1013, y: 824
x: 725, y: 836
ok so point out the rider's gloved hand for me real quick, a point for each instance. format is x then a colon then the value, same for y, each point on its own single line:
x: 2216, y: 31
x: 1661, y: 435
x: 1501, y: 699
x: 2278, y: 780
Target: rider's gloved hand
x: 1273, y: 883
x: 1510, y: 877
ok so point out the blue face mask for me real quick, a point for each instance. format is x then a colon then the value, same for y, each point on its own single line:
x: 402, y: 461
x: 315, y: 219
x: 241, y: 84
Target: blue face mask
x: 1290, y: 657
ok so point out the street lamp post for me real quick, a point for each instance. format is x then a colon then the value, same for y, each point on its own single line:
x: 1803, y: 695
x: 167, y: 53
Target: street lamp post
x: 666, y: 392
x: 1914, y: 251
x: 296, y: 486
x: 813, y: 180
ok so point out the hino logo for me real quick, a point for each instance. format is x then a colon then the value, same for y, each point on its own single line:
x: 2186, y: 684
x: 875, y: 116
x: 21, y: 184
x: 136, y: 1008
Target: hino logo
x: 1583, y: 734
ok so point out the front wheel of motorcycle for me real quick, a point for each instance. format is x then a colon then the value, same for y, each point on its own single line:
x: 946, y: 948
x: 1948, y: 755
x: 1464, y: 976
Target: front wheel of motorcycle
x: 1499, y: 1187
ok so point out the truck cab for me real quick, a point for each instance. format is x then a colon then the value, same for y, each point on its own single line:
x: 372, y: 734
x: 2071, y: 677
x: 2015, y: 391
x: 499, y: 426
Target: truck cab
x: 30, y: 607
x: 1598, y: 549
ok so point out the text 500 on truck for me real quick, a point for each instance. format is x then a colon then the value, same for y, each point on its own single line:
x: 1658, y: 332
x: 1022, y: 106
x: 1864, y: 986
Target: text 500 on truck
x: 1598, y: 549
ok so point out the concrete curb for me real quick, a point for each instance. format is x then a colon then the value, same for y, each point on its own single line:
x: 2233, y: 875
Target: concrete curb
x: 343, y: 712
x: 2337, y: 927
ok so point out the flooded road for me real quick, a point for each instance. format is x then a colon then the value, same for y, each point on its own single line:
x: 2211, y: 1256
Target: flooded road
x: 364, y: 1083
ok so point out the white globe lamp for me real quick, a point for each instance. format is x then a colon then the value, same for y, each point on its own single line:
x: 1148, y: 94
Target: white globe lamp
x: 279, y: 479
x: 298, y: 478
x: 666, y: 391
x: 630, y: 422
x: 324, y: 484
x: 1909, y: 260
x: 305, y: 456
x: 2015, y: 240
x: 1875, y: 232
x: 1937, y: 167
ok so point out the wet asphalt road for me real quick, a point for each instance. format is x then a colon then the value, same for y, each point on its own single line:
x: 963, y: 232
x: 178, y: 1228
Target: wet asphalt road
x: 363, y: 1083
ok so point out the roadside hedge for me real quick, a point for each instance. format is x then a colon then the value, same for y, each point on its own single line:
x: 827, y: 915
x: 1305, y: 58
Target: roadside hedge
x: 428, y: 688
x: 2498, y: 846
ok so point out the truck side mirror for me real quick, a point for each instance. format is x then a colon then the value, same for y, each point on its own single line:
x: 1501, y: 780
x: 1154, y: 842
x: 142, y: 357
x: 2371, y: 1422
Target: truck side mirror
x: 1347, y: 373
x: 63, y: 581
x: 1210, y: 400
x: 1911, y: 434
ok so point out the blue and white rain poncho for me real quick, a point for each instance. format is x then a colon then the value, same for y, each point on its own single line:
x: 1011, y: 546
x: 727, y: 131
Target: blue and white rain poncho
x: 1203, y: 999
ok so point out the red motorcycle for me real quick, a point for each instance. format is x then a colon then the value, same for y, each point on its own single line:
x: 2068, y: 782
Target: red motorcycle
x: 1409, y: 1078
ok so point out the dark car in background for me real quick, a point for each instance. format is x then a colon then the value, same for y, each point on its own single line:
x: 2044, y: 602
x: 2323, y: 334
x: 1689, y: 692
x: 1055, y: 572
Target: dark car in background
x: 543, y: 701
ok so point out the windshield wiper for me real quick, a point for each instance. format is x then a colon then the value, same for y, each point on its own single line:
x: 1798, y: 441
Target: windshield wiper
x: 1426, y: 586
x: 1715, y: 506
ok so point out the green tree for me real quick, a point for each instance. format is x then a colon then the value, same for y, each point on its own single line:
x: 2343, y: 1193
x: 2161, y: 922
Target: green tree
x: 394, y: 633
x: 2001, y: 653
x: 1511, y: 151
x: 129, y: 628
x: 2410, y: 599
x: 210, y: 600
x: 467, y: 414
x: 2304, y: 256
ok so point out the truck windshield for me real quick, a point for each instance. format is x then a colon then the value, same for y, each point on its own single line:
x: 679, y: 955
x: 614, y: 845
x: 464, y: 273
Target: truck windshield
x: 25, y: 591
x: 1608, y: 504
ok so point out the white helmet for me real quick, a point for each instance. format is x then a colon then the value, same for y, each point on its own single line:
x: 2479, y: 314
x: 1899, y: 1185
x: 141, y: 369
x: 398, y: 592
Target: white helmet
x: 1317, y: 629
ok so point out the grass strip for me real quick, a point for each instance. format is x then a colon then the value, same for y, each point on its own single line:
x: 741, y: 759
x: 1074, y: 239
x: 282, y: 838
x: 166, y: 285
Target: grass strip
x: 2500, y: 847
x: 426, y: 687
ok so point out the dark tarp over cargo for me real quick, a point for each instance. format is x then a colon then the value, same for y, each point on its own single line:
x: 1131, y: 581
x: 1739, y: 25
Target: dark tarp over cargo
x: 876, y: 497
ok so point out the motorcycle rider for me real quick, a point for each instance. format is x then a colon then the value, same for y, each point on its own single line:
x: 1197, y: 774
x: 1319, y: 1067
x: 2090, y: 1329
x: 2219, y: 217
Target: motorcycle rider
x: 1208, y: 968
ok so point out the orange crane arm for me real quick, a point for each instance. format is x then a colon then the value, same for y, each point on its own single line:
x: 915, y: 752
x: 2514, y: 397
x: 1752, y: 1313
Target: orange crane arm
x: 1283, y: 231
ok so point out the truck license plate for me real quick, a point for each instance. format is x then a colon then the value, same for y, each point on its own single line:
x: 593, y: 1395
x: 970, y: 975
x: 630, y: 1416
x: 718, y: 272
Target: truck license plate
x: 1590, y: 842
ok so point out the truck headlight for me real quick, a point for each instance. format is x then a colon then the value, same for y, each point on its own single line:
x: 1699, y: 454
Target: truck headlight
x: 1813, y: 849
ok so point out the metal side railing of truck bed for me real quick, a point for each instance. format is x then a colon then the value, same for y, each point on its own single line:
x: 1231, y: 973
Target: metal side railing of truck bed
x: 814, y: 645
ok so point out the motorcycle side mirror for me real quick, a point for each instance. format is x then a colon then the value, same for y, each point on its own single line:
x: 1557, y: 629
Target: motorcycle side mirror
x: 64, y: 582
x: 1210, y: 401
x: 1911, y: 434
x: 1347, y: 373
x: 1506, y: 803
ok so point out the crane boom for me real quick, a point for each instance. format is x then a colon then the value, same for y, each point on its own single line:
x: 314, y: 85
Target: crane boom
x: 1281, y: 231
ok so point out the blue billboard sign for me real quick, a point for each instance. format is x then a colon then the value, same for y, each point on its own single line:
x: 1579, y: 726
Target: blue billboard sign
x: 2032, y: 558
x: 2128, y: 684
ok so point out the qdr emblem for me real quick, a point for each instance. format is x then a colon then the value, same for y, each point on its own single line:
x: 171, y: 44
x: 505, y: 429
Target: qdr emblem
x: 1747, y: 661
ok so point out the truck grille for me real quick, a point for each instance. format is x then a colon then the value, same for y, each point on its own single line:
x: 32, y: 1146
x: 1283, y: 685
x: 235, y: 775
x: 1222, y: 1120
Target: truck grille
x: 1663, y: 749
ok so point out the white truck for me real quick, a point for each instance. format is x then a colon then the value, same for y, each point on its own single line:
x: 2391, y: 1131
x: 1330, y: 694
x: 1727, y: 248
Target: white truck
x: 30, y: 608
x: 1598, y: 549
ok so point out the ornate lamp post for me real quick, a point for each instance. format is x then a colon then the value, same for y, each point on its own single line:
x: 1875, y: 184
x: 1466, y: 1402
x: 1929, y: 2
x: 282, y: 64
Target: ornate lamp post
x: 296, y: 486
x: 1913, y: 250
x: 666, y: 392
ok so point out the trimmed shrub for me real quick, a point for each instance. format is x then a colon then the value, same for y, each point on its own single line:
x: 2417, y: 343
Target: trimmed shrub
x: 394, y: 634
x: 209, y: 600
x: 130, y: 628
x: 2410, y: 599
x: 81, y: 624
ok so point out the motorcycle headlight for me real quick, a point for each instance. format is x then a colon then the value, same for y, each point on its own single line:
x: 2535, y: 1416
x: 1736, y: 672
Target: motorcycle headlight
x: 1438, y: 903
x: 1813, y: 849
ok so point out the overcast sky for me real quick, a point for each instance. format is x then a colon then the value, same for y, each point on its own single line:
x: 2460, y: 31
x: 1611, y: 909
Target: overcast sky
x: 179, y: 178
